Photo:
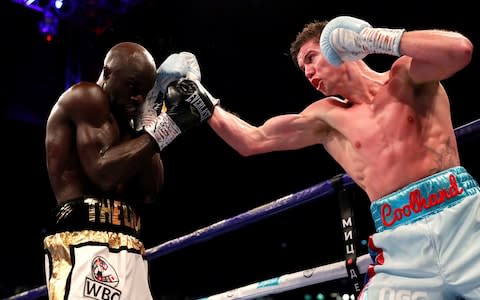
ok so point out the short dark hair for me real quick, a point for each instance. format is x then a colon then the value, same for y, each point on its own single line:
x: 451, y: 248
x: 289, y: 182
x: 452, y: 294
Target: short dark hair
x: 310, y: 31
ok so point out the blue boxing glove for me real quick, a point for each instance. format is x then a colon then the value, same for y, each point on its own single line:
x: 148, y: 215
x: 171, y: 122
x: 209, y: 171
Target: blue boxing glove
x: 347, y: 38
x: 184, y: 65
x: 174, y: 67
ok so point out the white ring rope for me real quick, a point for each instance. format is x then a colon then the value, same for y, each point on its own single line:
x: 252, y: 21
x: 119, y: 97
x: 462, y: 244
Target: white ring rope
x: 292, y: 281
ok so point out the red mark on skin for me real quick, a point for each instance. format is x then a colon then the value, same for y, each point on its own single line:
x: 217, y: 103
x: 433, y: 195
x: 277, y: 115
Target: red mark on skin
x: 410, y: 119
x: 358, y: 145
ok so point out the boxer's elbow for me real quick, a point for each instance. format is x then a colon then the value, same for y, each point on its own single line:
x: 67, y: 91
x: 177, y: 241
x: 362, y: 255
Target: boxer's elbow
x: 465, y: 47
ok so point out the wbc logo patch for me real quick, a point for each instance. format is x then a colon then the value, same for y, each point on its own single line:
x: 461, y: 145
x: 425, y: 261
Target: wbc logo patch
x: 101, y: 285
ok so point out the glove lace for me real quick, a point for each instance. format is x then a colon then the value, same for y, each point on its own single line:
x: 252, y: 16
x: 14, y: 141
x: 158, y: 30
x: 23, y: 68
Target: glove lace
x: 381, y: 40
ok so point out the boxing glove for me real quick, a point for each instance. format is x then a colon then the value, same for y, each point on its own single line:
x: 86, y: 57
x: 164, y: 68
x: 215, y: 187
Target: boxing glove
x: 187, y: 104
x: 174, y: 67
x: 346, y: 38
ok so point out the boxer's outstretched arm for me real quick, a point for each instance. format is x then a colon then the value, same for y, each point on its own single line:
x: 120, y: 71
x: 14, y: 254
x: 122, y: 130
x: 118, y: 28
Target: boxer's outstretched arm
x: 285, y: 132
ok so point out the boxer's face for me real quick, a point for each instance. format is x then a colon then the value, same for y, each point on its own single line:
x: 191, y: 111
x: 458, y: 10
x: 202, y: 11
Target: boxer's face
x: 316, y: 68
x: 130, y: 87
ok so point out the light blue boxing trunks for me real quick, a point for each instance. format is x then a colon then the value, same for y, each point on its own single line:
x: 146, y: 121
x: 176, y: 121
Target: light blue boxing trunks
x: 427, y: 244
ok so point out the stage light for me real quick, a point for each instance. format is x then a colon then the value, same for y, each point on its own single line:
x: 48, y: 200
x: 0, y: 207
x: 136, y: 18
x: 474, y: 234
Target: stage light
x: 31, y: 4
x: 64, y: 8
x: 48, y: 25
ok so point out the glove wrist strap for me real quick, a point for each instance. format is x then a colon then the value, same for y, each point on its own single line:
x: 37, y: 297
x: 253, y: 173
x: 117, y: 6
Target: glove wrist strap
x: 163, y: 130
x: 381, y: 40
x: 147, y: 115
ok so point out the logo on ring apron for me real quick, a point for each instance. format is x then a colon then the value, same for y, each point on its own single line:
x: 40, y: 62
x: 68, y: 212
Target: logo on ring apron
x: 103, y: 281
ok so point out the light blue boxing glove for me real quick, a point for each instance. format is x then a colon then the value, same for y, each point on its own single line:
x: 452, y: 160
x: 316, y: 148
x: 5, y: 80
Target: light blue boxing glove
x: 174, y: 67
x: 183, y: 65
x: 347, y: 38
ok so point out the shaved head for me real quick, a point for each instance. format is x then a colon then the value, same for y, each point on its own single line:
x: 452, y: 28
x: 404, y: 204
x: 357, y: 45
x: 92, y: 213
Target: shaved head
x: 129, y: 53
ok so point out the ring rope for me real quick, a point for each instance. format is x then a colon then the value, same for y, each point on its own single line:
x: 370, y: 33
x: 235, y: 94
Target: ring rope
x: 206, y: 233
x: 292, y: 281
x: 319, y: 190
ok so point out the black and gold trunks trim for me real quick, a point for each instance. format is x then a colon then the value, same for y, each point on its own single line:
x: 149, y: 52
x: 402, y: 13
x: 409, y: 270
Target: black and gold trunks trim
x: 101, y: 214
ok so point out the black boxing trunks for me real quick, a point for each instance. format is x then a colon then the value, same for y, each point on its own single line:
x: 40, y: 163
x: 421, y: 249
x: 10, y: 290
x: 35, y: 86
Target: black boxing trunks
x: 93, y: 252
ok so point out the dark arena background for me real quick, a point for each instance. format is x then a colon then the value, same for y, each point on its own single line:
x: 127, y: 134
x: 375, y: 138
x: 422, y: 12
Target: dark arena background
x: 242, y: 48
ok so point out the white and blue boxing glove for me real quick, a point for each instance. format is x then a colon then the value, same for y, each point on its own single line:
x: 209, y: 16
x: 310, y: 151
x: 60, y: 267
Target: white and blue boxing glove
x: 174, y: 67
x: 182, y: 65
x: 347, y: 38
x: 178, y: 65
